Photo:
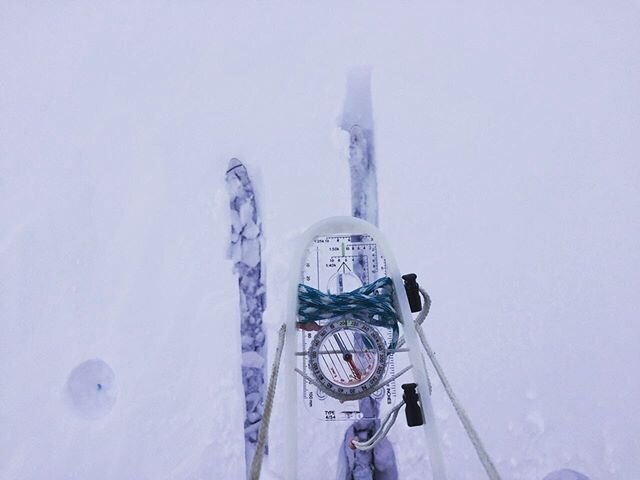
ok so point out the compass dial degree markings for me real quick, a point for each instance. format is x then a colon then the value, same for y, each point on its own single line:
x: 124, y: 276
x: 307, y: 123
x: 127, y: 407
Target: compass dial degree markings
x: 348, y: 372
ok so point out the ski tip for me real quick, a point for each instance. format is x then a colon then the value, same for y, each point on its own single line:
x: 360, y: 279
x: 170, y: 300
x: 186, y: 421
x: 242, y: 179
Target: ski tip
x: 358, y: 108
x: 234, y: 163
x: 566, y: 474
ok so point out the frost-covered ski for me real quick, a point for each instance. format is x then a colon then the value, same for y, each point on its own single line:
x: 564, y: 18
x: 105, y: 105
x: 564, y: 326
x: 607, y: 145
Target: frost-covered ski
x: 245, y: 251
x: 357, y: 121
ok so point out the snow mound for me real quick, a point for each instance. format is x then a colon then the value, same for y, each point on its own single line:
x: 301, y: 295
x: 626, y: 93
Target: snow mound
x: 91, y: 389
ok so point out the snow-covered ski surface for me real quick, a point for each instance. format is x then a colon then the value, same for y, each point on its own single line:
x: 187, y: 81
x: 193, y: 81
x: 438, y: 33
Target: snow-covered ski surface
x: 357, y: 122
x: 512, y: 185
x: 245, y: 250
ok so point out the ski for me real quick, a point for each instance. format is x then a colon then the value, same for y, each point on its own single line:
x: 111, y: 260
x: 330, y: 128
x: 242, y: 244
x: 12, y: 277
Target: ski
x: 357, y: 121
x: 245, y: 252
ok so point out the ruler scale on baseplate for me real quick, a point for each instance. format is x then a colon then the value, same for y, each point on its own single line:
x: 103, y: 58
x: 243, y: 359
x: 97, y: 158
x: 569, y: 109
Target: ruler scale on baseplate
x: 333, y: 362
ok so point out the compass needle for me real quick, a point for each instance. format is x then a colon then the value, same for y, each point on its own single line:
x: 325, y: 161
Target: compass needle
x: 358, y: 351
x: 331, y: 355
x: 347, y: 357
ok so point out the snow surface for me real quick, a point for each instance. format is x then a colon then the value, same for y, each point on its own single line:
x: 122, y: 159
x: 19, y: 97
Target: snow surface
x: 507, y: 153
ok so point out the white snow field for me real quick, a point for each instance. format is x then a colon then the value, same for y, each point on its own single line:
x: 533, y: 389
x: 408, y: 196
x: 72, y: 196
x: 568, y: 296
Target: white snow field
x: 508, y: 154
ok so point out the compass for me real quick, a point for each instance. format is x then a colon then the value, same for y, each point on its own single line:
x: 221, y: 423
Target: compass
x: 348, y: 358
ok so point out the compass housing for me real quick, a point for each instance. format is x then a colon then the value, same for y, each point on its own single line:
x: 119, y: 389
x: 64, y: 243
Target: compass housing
x: 348, y: 358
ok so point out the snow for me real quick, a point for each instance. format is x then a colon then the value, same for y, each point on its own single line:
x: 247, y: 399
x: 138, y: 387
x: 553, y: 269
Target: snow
x: 508, y: 176
x: 91, y: 389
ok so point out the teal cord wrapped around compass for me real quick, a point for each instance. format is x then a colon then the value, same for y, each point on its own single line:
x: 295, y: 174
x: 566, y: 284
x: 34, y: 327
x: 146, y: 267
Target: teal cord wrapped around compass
x: 372, y: 303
